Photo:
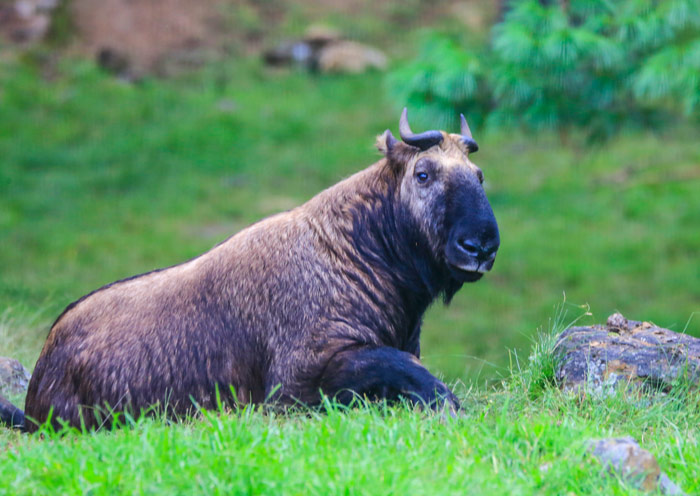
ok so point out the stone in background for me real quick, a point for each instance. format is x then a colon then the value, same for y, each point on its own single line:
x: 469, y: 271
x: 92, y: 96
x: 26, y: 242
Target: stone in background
x: 14, y: 377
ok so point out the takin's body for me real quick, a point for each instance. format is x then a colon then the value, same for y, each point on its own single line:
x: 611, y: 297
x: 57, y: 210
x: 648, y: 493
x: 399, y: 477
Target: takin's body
x: 326, y: 297
x: 267, y: 307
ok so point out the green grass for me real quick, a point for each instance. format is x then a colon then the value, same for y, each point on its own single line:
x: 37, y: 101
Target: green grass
x: 522, y: 436
x: 505, y: 441
x: 100, y: 180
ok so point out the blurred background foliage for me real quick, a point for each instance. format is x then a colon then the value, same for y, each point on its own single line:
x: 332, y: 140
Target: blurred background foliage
x: 103, y: 177
x: 596, y: 65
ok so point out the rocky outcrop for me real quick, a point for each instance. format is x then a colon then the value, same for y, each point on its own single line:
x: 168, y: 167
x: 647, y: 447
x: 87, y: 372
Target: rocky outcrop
x: 14, y: 377
x: 636, y: 466
x: 599, y: 358
x: 350, y: 57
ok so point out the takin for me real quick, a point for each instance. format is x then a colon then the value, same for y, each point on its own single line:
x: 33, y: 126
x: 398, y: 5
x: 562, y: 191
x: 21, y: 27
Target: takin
x: 326, y: 298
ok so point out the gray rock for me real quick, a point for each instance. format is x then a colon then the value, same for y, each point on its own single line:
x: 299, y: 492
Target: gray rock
x: 14, y: 377
x: 636, y: 466
x: 669, y: 487
x: 350, y: 57
x: 598, y: 358
x: 625, y: 457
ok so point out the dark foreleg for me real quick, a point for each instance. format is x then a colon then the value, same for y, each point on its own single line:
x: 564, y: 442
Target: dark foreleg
x: 10, y: 415
x: 383, y: 373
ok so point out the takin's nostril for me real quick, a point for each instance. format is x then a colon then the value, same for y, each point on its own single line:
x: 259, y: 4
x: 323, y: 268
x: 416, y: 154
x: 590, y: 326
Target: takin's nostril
x: 469, y: 247
x: 491, y: 251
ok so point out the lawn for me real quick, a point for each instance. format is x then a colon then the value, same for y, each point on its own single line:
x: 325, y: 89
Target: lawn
x: 100, y: 180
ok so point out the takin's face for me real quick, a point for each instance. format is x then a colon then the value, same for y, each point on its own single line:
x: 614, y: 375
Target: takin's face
x: 443, y: 191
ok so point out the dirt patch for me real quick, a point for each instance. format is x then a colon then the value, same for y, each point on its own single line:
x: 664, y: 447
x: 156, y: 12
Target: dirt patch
x: 144, y: 32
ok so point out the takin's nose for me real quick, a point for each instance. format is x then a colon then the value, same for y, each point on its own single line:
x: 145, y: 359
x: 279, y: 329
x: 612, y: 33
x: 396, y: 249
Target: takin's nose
x: 474, y: 249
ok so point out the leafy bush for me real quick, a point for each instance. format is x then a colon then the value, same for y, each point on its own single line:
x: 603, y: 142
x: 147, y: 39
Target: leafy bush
x: 586, y: 63
x: 444, y: 77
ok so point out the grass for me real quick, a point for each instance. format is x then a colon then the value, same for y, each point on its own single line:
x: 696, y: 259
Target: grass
x: 100, y: 180
x: 490, y: 451
x: 522, y: 436
x: 509, y: 439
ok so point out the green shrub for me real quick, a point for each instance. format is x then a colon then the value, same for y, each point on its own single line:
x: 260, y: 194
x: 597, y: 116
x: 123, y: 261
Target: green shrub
x: 591, y: 64
x: 444, y: 77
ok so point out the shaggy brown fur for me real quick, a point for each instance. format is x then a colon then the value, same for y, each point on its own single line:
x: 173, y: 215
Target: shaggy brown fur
x: 326, y: 297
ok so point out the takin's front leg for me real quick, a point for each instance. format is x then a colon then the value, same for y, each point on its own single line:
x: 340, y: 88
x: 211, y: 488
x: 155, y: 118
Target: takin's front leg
x: 384, y: 373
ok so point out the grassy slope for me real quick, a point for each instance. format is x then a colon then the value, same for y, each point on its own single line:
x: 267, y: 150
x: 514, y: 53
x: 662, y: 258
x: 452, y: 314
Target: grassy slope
x: 99, y: 180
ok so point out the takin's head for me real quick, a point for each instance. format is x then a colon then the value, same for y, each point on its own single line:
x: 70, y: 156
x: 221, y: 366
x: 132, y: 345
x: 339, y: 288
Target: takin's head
x: 443, y: 192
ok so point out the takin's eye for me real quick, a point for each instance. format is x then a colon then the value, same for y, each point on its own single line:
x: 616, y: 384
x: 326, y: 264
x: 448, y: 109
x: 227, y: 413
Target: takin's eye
x: 422, y: 177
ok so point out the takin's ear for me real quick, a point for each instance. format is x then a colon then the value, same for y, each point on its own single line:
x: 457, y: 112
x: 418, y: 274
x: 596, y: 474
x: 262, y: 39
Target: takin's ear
x: 397, y: 152
x: 386, y: 142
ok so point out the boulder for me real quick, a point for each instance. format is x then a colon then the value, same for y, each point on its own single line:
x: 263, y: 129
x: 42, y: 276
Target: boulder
x: 350, y: 57
x: 636, y: 466
x: 597, y: 359
x: 14, y: 377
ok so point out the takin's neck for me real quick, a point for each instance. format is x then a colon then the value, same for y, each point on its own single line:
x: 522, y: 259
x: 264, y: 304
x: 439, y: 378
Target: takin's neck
x: 383, y: 242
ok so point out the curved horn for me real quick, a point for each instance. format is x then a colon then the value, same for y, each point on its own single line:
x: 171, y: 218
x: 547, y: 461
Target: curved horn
x: 423, y: 140
x: 467, y: 135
